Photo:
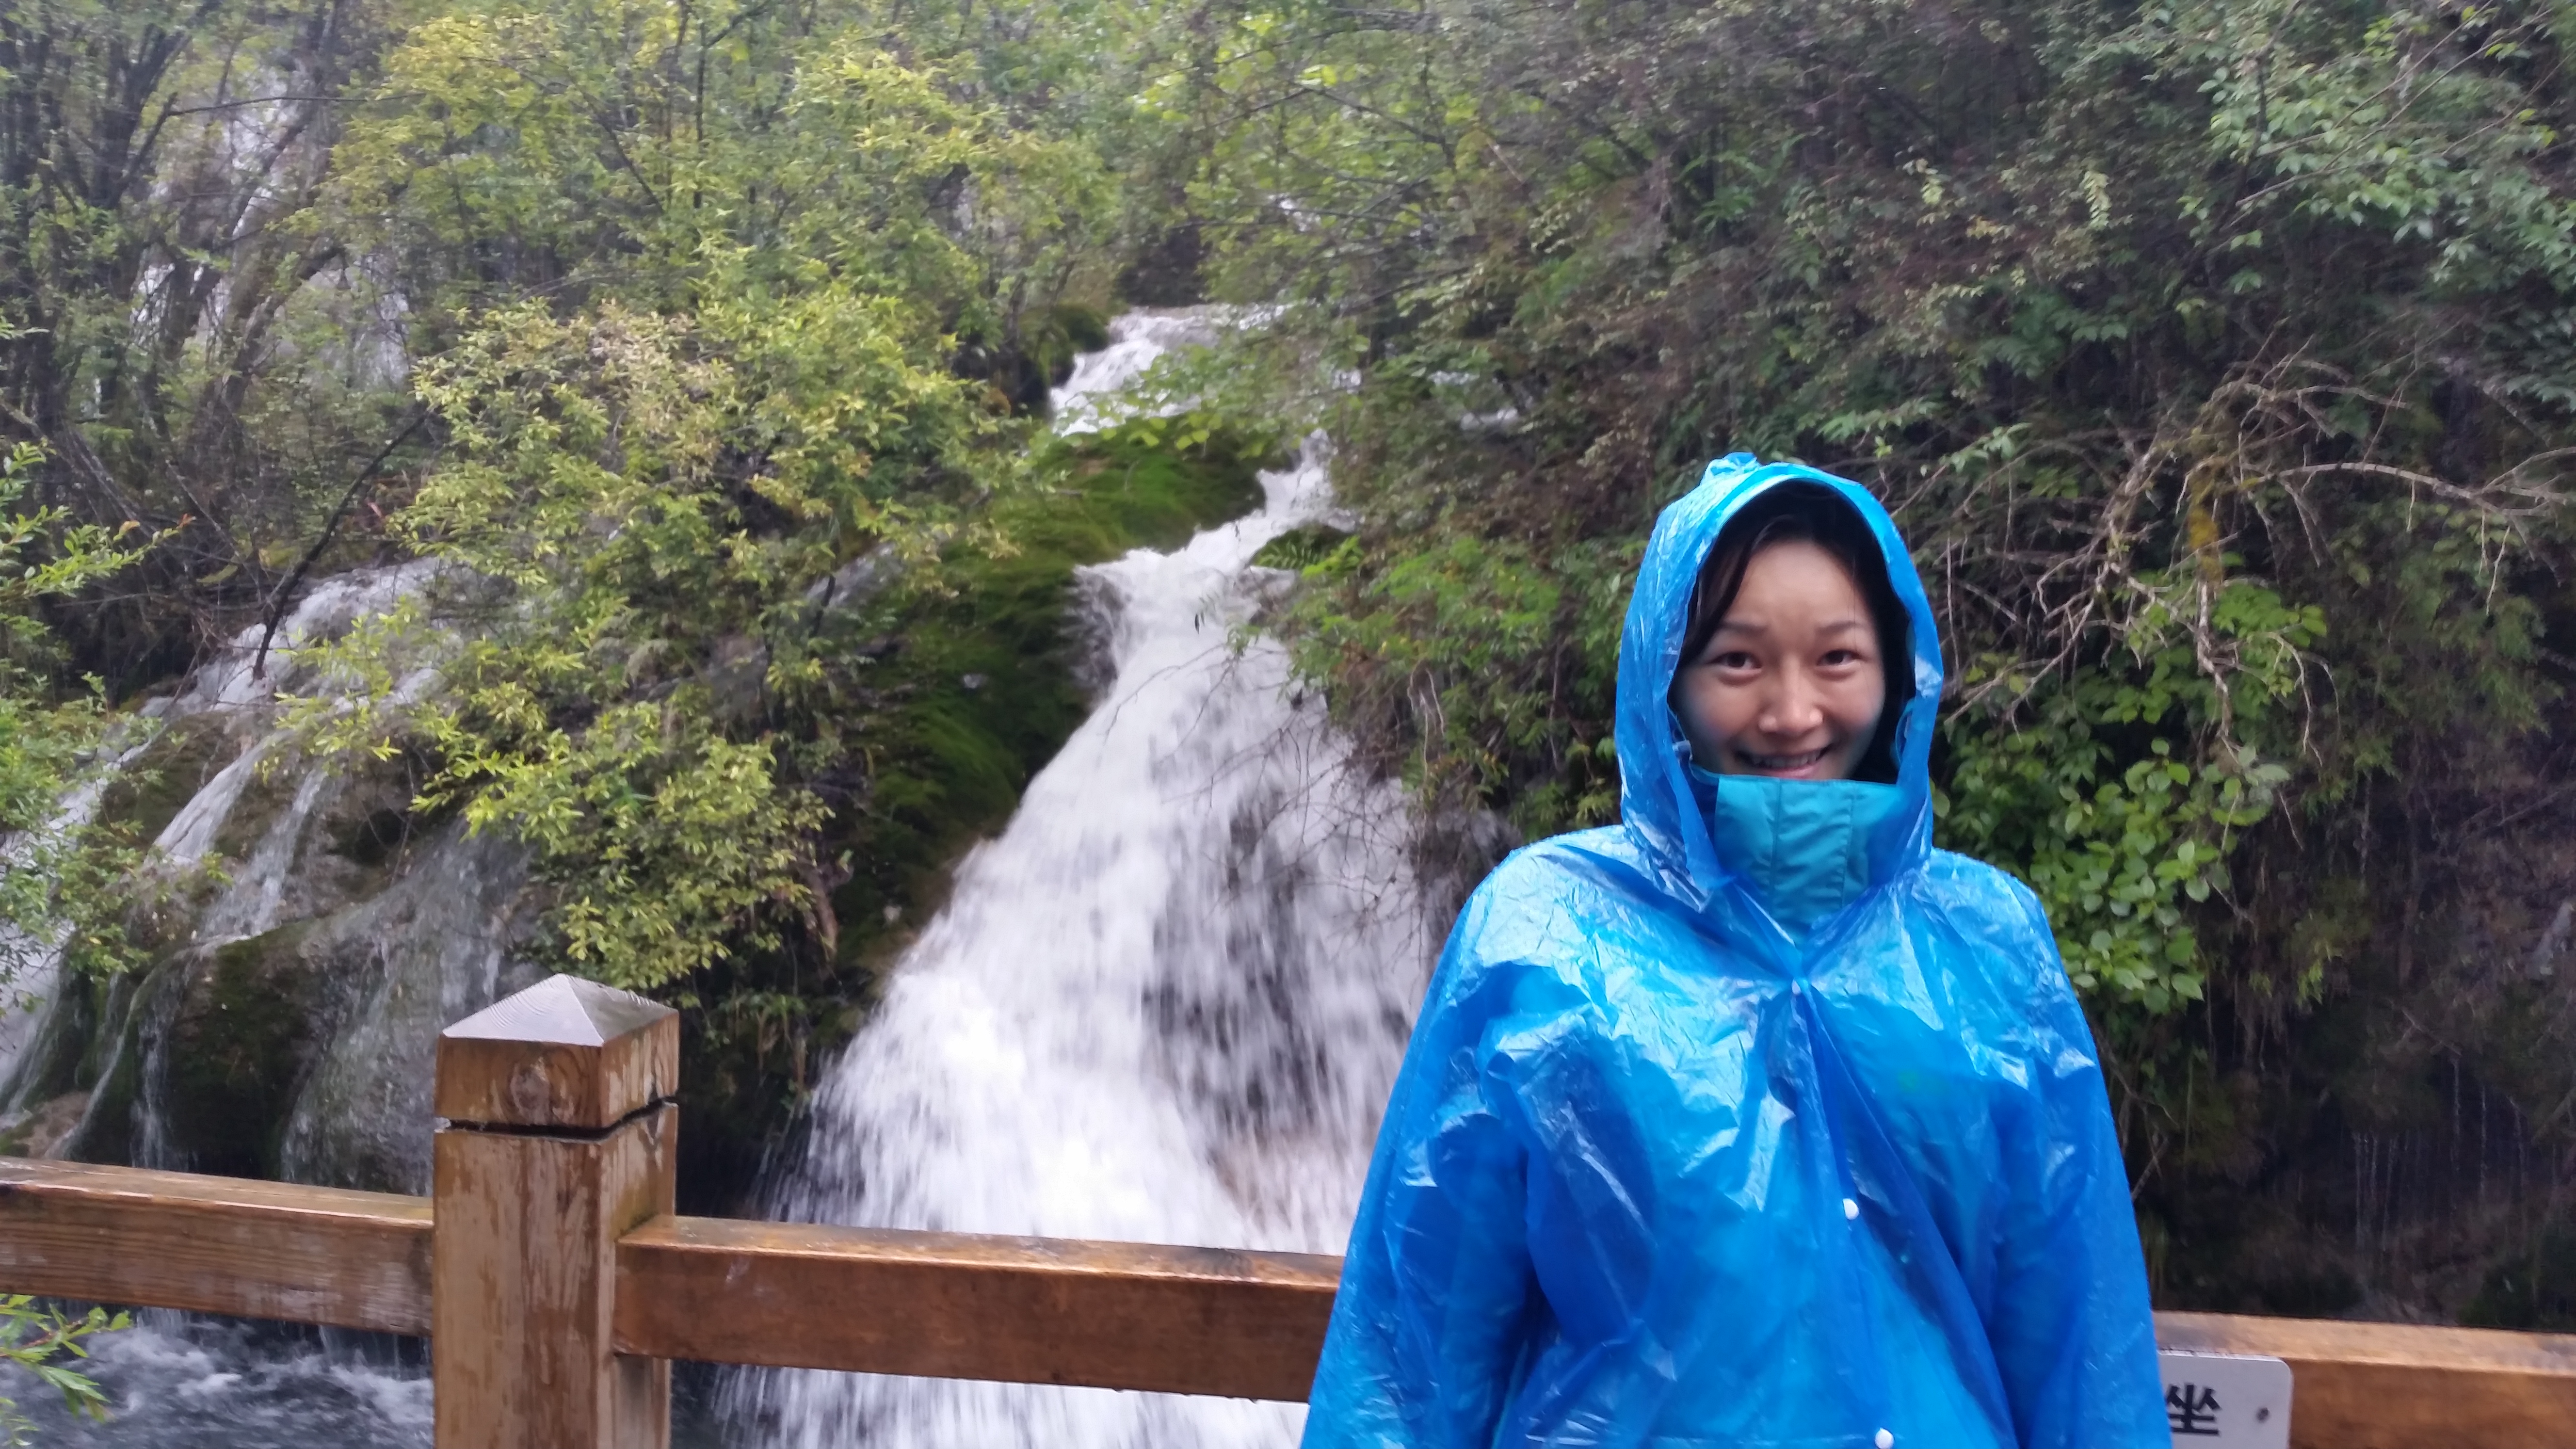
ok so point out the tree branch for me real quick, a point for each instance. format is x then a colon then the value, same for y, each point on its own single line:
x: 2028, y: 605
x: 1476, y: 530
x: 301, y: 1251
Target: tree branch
x: 276, y: 609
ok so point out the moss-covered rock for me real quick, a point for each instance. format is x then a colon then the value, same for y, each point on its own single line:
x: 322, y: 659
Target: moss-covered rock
x: 50, y: 1063
x: 148, y: 793
x: 245, y: 1033
x: 303, y: 1052
x: 35, y: 1132
x: 442, y: 940
x: 992, y: 674
x: 111, y: 1067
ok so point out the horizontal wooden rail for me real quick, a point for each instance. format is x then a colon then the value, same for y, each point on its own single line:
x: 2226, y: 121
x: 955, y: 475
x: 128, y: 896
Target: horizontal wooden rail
x: 2403, y: 1385
x: 125, y: 1235
x: 951, y: 1305
x: 1117, y: 1315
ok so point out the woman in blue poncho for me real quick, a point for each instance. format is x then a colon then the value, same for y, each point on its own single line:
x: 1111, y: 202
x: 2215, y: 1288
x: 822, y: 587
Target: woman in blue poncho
x: 1753, y: 1119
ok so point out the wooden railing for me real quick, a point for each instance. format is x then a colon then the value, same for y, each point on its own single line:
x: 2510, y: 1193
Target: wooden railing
x: 556, y: 1285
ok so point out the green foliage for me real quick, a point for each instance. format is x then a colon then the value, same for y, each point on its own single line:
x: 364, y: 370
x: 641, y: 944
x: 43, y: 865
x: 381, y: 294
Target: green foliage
x: 2117, y: 855
x: 652, y: 499
x: 2092, y: 788
x: 2212, y: 355
x: 672, y: 157
x: 645, y: 502
x: 1302, y: 547
x: 192, y: 351
x: 39, y: 1339
x: 1442, y: 621
x: 1502, y: 667
x: 59, y: 873
x: 2161, y: 355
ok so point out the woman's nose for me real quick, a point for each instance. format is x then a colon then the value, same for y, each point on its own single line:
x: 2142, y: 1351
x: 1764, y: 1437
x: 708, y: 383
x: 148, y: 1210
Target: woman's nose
x: 1794, y: 709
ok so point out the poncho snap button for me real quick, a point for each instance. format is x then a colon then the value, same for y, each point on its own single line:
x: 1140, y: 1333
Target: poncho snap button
x: 1851, y: 1210
x: 1884, y: 1440
x: 1797, y: 988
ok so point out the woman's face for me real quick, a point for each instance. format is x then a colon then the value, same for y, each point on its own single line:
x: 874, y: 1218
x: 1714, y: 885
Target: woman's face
x: 1790, y: 684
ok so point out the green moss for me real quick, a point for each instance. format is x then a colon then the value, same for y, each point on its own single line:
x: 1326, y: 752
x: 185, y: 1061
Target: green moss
x: 142, y: 801
x: 237, y: 1052
x: 985, y: 685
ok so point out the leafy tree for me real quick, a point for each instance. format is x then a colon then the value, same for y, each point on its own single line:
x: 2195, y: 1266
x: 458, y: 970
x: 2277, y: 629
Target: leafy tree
x: 190, y: 348
x: 2212, y: 354
x: 646, y: 508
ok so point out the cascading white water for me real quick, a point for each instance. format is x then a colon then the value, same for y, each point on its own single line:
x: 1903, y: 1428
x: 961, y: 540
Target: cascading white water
x: 1164, y: 1006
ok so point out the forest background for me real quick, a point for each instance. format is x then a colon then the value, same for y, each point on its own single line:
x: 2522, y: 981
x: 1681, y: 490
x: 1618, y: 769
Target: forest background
x: 2219, y: 358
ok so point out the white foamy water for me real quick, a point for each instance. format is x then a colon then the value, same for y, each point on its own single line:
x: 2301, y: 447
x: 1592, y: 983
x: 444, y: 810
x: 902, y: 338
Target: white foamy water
x: 178, y: 1383
x: 238, y: 676
x: 1097, y: 392
x: 1164, y: 1006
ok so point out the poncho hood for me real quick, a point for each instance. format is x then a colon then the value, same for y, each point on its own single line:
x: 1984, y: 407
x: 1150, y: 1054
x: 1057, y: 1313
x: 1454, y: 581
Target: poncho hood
x: 1656, y: 803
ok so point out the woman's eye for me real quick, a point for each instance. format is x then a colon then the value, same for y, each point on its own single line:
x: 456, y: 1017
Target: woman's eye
x: 1733, y: 659
x: 1840, y: 656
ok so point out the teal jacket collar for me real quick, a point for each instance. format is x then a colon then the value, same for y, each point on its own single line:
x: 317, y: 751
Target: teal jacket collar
x: 1800, y: 847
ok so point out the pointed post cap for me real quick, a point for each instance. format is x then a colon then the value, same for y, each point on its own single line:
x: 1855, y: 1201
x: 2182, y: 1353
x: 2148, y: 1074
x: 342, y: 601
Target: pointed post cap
x: 565, y: 1053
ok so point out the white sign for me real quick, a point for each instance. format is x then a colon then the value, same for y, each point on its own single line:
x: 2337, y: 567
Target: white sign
x: 2226, y: 1400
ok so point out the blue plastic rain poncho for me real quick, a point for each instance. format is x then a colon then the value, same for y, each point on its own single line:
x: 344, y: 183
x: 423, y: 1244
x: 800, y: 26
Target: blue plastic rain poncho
x: 1752, y: 1120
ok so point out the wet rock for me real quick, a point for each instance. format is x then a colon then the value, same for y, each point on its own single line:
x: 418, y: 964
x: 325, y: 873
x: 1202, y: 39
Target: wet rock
x: 738, y: 677
x: 36, y: 1133
x: 438, y: 944
x: 247, y: 1026
x: 305, y: 1053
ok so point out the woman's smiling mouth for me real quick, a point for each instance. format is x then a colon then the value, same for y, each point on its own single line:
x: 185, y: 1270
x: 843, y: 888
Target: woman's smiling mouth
x: 1783, y: 764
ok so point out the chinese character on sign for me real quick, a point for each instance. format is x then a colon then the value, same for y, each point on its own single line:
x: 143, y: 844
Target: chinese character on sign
x: 2192, y: 1409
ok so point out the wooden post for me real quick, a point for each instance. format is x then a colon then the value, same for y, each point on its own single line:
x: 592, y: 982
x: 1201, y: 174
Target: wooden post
x: 557, y: 1138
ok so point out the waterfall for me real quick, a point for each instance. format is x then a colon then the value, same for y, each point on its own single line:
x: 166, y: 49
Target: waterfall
x: 1164, y: 1006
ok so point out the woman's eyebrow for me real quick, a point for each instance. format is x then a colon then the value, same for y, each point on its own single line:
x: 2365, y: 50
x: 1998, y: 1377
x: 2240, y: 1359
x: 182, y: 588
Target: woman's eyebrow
x: 1763, y: 626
